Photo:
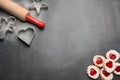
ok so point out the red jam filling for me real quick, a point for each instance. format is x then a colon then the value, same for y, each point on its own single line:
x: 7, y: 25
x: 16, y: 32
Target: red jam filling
x: 112, y: 56
x: 99, y: 60
x: 118, y: 69
x: 92, y: 72
x: 109, y: 64
x: 105, y: 73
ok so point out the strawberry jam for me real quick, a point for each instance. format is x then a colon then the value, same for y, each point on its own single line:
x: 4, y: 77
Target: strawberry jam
x: 109, y: 64
x: 106, y: 74
x: 99, y: 60
x: 92, y: 72
x: 112, y: 56
x: 117, y: 69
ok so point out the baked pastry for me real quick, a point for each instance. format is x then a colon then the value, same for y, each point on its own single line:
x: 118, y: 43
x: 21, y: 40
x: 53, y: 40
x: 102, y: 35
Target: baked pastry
x: 109, y: 65
x: 93, y: 71
x: 105, y: 75
x: 113, y: 54
x: 117, y: 69
x: 98, y: 60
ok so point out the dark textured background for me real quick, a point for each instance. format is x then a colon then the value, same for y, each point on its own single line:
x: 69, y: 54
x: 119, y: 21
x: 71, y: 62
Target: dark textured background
x: 76, y: 30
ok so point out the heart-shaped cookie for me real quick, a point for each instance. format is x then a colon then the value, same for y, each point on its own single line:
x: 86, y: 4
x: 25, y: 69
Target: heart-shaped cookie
x: 93, y: 71
x: 26, y: 35
x: 117, y: 69
x: 98, y: 60
x: 105, y: 75
x: 113, y: 55
x: 109, y: 65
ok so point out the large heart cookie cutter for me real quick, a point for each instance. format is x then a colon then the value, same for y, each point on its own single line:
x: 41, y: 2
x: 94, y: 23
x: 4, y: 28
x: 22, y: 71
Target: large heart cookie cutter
x: 26, y: 35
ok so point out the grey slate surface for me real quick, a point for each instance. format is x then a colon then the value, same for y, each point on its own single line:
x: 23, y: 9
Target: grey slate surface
x: 76, y: 30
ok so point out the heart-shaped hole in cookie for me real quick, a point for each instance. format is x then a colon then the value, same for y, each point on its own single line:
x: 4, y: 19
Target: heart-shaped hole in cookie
x: 93, y: 72
x: 99, y: 60
x: 26, y: 35
x: 117, y: 69
x: 109, y: 64
x: 112, y: 56
x: 105, y: 73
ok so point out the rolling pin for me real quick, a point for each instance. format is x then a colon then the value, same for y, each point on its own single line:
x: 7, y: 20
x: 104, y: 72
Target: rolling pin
x: 20, y: 12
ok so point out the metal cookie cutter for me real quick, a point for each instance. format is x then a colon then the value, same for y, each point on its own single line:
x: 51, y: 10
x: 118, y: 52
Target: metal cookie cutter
x: 6, y: 26
x: 38, y: 5
x: 26, y: 35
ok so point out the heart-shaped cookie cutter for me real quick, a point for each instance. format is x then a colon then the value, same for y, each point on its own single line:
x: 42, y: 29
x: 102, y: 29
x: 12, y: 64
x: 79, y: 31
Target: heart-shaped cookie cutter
x: 24, y: 37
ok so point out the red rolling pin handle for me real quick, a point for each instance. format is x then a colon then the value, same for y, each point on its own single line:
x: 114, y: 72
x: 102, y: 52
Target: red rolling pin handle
x: 38, y: 23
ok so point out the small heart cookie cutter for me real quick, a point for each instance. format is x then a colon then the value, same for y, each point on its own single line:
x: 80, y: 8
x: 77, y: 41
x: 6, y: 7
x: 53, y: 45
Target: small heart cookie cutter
x: 26, y: 39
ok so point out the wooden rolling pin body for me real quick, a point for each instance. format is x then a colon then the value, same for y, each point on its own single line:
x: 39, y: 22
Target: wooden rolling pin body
x: 14, y: 9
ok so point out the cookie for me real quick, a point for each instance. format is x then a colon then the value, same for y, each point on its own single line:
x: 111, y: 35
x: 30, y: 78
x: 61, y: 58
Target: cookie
x: 117, y: 69
x: 93, y: 71
x: 105, y: 75
x: 113, y: 54
x: 109, y: 65
x: 98, y: 60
